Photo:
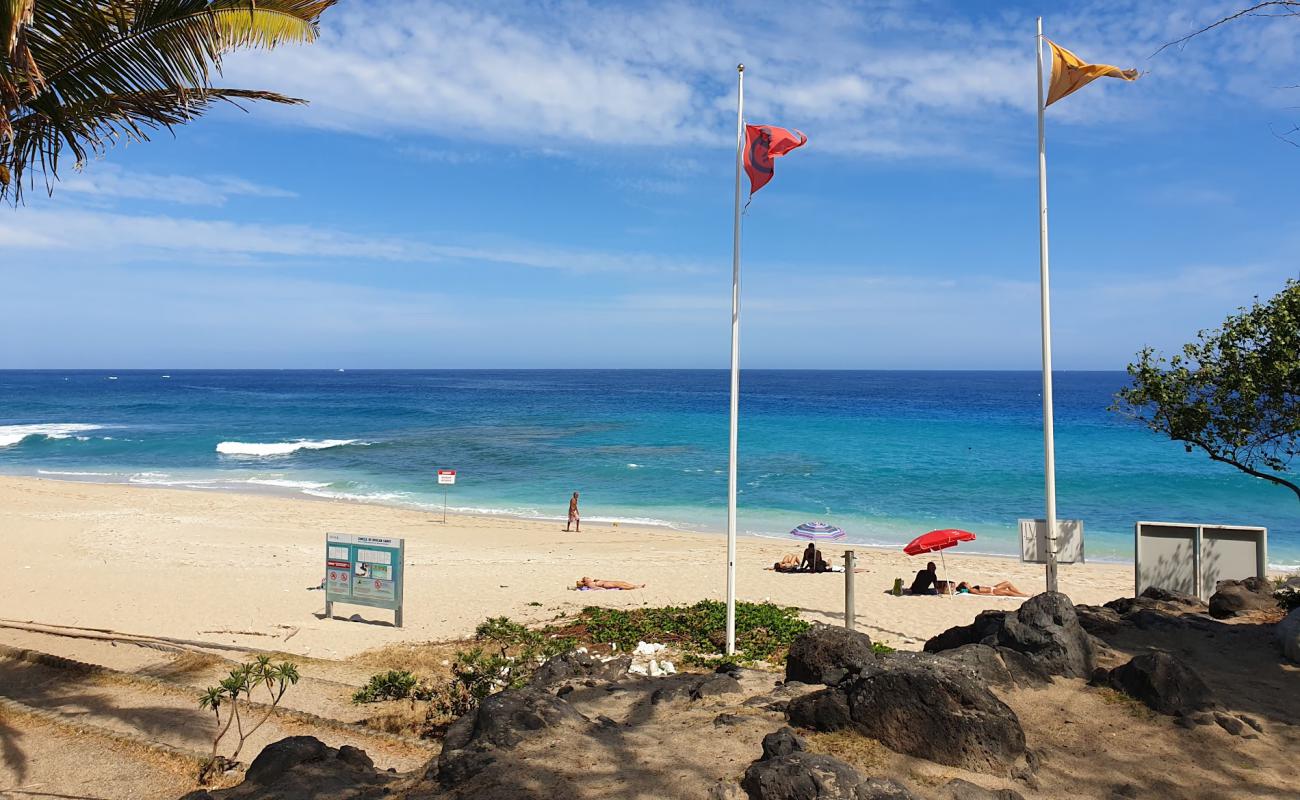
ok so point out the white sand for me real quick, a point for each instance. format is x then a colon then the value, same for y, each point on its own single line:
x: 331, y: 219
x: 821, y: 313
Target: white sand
x: 224, y: 567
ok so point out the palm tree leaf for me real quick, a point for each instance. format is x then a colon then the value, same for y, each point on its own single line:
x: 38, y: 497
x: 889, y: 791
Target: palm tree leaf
x: 92, y: 126
x: 81, y: 74
x: 13, y: 15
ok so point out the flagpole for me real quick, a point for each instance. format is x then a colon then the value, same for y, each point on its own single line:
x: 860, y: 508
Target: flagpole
x: 1049, y: 444
x: 735, y: 368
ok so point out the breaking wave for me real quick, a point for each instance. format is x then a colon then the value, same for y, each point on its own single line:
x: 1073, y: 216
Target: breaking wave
x: 11, y: 435
x: 264, y: 450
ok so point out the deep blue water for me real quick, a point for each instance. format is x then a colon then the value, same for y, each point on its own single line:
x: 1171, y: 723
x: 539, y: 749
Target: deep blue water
x: 886, y: 455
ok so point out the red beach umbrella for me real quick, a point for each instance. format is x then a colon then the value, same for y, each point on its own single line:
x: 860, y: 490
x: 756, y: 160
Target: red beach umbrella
x: 938, y: 540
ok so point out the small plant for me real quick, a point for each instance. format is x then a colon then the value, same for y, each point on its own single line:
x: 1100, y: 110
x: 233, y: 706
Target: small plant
x: 506, y: 659
x: 879, y: 648
x: 391, y: 685
x: 234, y: 696
x: 1288, y: 597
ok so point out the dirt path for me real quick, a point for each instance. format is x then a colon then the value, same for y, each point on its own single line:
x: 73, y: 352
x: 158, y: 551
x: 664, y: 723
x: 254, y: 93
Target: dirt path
x: 114, y: 696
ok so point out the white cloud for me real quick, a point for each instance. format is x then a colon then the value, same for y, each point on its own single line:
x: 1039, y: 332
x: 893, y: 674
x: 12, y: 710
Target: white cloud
x: 133, y: 237
x: 884, y: 79
x: 107, y: 180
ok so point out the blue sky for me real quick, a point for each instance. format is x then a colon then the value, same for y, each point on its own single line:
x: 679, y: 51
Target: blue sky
x: 549, y: 185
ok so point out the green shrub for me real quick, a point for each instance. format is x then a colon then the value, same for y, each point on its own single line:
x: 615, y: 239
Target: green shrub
x: 391, y: 685
x: 763, y: 630
x: 507, y: 659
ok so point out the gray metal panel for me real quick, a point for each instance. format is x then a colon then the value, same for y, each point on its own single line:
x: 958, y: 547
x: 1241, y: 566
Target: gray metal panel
x: 1165, y: 556
x: 1232, y: 553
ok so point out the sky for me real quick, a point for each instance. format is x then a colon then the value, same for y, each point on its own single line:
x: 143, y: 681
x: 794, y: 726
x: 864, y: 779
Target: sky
x: 550, y: 184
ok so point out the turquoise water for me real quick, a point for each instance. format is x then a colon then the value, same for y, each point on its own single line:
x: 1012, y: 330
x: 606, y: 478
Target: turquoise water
x: 885, y: 455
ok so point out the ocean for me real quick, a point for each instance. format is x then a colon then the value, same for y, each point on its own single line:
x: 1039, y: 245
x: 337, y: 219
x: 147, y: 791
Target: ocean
x: 884, y: 455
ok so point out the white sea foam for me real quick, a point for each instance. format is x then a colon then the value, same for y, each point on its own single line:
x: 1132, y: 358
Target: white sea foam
x: 286, y: 484
x: 264, y: 450
x: 69, y: 474
x: 372, y: 497
x: 13, y: 434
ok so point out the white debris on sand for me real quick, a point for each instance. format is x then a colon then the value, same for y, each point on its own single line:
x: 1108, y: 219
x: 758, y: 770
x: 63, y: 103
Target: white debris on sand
x: 647, y: 660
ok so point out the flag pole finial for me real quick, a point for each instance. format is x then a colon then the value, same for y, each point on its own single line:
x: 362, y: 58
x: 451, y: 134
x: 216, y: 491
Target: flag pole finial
x: 740, y: 68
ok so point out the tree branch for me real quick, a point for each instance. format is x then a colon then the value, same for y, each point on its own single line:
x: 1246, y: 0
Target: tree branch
x: 1248, y: 12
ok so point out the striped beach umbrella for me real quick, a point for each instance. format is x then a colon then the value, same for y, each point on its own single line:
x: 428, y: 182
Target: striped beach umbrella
x: 817, y: 532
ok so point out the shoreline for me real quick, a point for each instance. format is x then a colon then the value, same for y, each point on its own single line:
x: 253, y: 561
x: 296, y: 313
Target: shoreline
x: 650, y: 524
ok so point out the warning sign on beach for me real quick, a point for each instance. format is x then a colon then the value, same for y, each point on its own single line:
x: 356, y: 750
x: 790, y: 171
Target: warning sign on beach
x: 447, y: 477
x: 364, y: 570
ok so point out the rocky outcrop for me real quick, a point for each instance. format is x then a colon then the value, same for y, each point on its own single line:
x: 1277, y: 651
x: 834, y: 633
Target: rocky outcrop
x: 924, y: 706
x: 828, y: 654
x: 1288, y: 636
x: 501, y: 721
x: 1162, y: 682
x: 1236, y: 598
x: 577, y: 666
x: 787, y: 771
x: 958, y: 789
x: 302, y: 768
x: 689, y: 687
x: 939, y: 714
x: 1045, y: 630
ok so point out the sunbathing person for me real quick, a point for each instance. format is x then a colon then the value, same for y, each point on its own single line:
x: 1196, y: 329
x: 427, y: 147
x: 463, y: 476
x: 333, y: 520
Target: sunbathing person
x: 788, y: 563
x: 595, y: 583
x: 1000, y: 589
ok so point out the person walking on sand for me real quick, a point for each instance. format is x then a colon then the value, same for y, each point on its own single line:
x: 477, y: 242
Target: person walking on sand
x: 574, y: 519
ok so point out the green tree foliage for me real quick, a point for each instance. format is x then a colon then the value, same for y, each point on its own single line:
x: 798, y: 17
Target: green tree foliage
x: 82, y: 74
x: 1234, y: 393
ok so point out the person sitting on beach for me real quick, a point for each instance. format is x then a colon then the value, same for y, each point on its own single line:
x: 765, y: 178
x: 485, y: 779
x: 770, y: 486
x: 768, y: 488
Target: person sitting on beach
x: 1000, y: 589
x: 595, y: 583
x: 813, y: 561
x: 925, y: 581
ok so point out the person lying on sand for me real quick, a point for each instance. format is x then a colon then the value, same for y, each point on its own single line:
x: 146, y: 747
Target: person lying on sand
x: 788, y: 563
x: 595, y: 583
x: 1000, y: 589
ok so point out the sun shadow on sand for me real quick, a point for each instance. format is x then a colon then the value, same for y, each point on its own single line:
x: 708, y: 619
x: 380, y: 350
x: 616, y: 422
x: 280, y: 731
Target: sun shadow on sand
x: 78, y: 696
x: 15, y: 760
x: 357, y: 618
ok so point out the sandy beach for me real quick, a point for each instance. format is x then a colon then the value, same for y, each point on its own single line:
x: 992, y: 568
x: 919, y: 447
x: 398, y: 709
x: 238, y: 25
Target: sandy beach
x: 235, y: 568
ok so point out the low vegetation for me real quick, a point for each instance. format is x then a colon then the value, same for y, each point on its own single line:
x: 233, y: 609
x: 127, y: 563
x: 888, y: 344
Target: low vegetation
x: 505, y: 654
x: 763, y: 631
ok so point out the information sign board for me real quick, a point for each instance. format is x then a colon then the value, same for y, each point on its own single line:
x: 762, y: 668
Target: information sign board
x: 447, y: 477
x: 364, y: 571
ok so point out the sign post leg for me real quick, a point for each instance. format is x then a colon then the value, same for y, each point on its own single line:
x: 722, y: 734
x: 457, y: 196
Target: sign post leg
x: 850, y: 605
x: 329, y: 609
x: 444, y: 506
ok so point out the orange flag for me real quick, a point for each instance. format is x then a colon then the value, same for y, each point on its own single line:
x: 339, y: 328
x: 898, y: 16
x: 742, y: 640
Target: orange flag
x: 1069, y: 73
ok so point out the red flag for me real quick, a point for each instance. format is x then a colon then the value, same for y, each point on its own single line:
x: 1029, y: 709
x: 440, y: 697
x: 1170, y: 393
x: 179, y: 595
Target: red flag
x: 763, y: 143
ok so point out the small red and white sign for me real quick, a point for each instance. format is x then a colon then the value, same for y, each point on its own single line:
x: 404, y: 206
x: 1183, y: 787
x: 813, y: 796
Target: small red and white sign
x: 447, y: 477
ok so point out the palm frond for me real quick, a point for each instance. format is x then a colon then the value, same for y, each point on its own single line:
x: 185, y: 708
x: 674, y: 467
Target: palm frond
x: 81, y: 73
x: 91, y: 127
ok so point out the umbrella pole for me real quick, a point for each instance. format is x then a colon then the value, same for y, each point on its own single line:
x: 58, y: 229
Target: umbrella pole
x: 944, y: 563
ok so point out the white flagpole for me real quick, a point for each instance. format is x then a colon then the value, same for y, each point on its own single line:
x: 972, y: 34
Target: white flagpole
x: 1049, y: 444
x: 735, y: 368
